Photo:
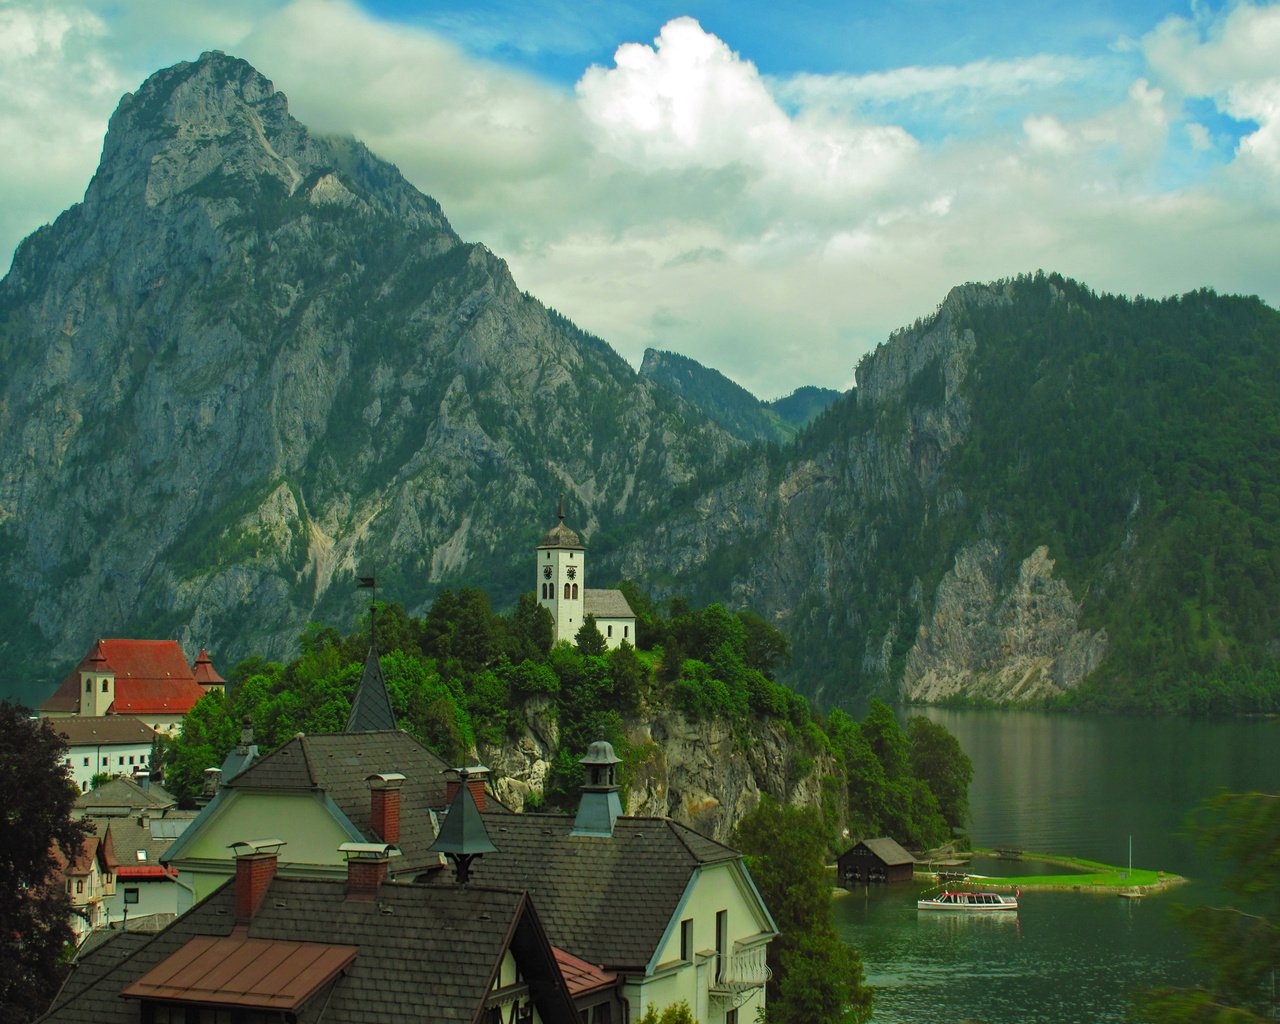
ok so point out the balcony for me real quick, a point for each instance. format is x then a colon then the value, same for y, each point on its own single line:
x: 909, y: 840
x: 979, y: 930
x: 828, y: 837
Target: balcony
x: 738, y: 972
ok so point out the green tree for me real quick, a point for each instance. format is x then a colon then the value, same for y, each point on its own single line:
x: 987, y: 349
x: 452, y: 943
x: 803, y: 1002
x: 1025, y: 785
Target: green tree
x: 588, y: 639
x: 939, y: 761
x: 209, y: 731
x: 817, y: 979
x: 1241, y: 948
x: 35, y: 911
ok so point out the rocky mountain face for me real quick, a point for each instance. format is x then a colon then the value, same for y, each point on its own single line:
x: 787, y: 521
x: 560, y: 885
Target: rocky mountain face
x: 254, y: 360
x: 701, y: 774
x: 802, y: 406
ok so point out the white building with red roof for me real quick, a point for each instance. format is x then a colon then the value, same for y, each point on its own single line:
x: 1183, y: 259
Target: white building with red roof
x: 147, y: 680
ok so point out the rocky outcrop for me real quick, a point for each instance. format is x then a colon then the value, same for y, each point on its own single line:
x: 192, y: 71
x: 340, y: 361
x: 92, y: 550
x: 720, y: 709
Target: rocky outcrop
x: 707, y: 775
x: 994, y: 637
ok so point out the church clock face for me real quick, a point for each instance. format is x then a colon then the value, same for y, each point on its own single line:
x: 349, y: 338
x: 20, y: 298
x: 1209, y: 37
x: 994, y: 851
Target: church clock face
x: 546, y: 572
x: 571, y: 572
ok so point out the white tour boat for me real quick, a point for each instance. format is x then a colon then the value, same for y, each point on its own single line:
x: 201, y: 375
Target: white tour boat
x: 973, y: 902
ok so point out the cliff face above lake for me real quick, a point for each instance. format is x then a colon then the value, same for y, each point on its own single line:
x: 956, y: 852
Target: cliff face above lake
x: 254, y: 360
x: 1035, y: 492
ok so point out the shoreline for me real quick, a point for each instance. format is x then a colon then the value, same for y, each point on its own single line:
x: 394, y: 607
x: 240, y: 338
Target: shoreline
x: 1086, y: 877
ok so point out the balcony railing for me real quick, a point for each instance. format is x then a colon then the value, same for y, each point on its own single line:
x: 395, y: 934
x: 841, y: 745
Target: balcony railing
x: 740, y: 970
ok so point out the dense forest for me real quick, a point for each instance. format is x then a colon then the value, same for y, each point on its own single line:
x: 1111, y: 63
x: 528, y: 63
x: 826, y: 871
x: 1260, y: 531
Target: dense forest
x: 463, y: 675
x: 1138, y: 439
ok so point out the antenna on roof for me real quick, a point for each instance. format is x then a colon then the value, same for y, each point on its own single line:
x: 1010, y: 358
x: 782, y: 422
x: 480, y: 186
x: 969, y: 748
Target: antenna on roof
x: 371, y: 583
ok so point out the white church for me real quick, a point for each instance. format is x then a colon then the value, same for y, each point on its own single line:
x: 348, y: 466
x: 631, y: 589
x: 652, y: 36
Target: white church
x: 562, y: 590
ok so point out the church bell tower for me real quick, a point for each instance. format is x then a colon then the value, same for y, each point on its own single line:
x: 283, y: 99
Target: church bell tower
x: 562, y: 580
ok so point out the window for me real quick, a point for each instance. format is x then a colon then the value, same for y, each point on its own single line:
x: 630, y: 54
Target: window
x: 610, y: 629
x: 106, y: 761
x: 79, y: 886
x: 84, y: 788
x: 104, y: 686
x: 88, y: 686
x: 722, y: 941
x: 566, y: 591
x: 626, y: 632
x: 575, y: 591
x: 131, y: 759
x: 686, y: 939
x: 731, y: 1017
x: 86, y: 762
x: 121, y: 758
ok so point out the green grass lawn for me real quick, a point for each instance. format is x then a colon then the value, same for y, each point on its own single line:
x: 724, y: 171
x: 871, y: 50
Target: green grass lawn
x: 1086, y: 873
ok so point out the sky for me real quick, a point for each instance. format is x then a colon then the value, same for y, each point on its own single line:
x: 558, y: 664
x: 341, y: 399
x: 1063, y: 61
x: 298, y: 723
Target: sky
x: 770, y: 189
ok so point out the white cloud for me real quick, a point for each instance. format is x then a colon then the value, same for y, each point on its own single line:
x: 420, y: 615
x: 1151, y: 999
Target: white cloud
x: 1233, y: 60
x: 774, y: 229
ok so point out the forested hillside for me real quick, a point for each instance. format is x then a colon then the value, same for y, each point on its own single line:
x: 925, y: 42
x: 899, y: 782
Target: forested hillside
x: 469, y: 683
x: 1036, y: 493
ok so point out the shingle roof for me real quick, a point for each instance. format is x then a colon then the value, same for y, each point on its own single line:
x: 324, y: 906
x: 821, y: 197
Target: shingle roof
x: 151, y: 675
x: 204, y: 672
x: 127, y: 839
x: 607, y: 604
x: 560, y: 536
x: 371, y: 708
x: 585, y: 885
x: 90, y: 732
x: 340, y: 764
x: 423, y: 952
x: 122, y: 791
x: 888, y: 850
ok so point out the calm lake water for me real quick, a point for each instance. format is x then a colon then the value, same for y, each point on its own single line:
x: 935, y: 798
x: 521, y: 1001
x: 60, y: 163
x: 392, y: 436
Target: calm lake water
x: 1073, y: 785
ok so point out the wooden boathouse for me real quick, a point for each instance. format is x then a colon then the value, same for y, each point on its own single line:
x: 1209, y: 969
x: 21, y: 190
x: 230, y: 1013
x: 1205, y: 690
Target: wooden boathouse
x: 874, y: 861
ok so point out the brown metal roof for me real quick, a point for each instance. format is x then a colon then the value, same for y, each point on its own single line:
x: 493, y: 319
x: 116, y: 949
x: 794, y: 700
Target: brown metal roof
x: 268, y: 974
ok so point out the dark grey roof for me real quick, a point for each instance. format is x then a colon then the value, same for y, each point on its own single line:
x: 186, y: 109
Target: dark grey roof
x: 122, y: 791
x: 607, y: 604
x: 371, y: 708
x: 585, y: 886
x: 88, y: 731
x: 425, y: 953
x: 128, y: 837
x: 888, y: 850
x: 340, y: 763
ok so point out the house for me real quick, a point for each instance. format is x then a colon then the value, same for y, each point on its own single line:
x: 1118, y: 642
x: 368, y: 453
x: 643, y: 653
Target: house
x: 137, y: 824
x: 562, y: 590
x: 110, y: 745
x: 874, y: 860
x: 89, y: 878
x: 317, y: 792
x: 354, y: 949
x: 146, y: 680
x: 673, y: 913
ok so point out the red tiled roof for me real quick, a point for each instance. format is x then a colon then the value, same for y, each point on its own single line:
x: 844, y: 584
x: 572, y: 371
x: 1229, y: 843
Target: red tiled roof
x: 157, y: 663
x: 268, y: 974
x: 580, y: 976
x: 145, y: 871
x: 155, y: 696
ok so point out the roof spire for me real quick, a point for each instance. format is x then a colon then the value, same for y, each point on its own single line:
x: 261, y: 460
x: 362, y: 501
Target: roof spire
x: 560, y: 510
x: 463, y: 836
x: 371, y: 707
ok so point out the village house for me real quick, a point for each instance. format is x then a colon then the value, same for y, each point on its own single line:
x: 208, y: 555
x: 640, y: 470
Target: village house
x: 148, y: 681
x: 89, y: 878
x: 110, y: 745
x: 355, y: 949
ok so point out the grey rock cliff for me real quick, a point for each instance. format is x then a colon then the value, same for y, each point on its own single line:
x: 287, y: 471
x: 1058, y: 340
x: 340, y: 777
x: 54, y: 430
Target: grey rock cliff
x: 254, y: 360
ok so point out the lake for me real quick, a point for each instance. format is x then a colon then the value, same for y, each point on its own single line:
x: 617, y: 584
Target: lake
x: 1079, y: 785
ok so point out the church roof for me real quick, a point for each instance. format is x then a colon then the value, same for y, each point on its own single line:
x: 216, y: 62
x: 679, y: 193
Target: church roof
x: 607, y: 604
x: 205, y: 673
x: 560, y: 536
x: 151, y: 676
x: 371, y: 707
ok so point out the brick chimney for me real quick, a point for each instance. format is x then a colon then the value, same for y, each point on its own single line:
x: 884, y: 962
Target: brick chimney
x: 255, y: 867
x: 366, y: 868
x: 384, y: 809
x: 475, y: 782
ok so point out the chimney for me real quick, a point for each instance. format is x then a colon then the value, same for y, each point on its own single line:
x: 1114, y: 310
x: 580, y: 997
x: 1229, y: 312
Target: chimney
x: 366, y: 868
x: 384, y: 809
x: 255, y: 867
x: 475, y: 777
